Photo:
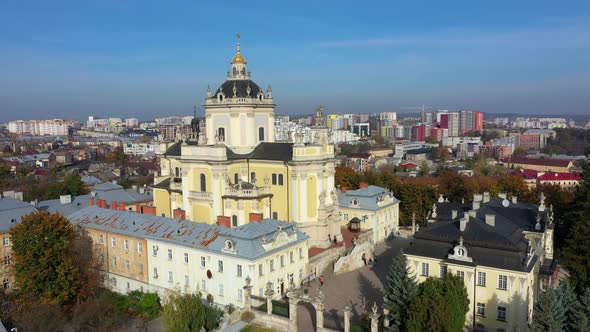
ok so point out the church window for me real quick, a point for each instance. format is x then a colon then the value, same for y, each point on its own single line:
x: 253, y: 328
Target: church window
x: 274, y: 179
x: 280, y: 179
x: 221, y: 134
x: 236, y: 178
x: 260, y: 97
x: 261, y: 134
x: 203, y: 182
x: 275, y: 215
x: 234, y: 221
x: 252, y: 177
x: 220, y: 97
x: 235, y: 71
x: 177, y: 172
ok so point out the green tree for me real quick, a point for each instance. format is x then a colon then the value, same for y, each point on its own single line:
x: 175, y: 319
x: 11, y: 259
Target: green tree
x: 346, y: 177
x: 576, y: 251
x: 424, y: 169
x: 441, y: 305
x: 43, y: 267
x: 548, y: 314
x: 583, y: 314
x: 73, y: 185
x: 400, y: 292
x: 183, y: 313
x: 453, y: 186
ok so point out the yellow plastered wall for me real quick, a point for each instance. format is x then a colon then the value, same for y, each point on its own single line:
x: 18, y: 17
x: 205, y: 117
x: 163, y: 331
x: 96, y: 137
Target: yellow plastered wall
x: 280, y: 193
x: 162, y: 202
x: 202, y: 213
x: 195, y: 178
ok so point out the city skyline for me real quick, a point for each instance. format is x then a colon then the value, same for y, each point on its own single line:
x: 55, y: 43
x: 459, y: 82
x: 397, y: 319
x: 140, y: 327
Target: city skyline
x: 112, y: 59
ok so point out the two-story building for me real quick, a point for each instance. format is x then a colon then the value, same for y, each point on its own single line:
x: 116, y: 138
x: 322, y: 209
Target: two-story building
x: 369, y: 207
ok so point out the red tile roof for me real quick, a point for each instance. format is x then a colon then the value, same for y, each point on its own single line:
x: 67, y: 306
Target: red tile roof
x: 409, y: 165
x: 540, y: 162
x: 557, y: 176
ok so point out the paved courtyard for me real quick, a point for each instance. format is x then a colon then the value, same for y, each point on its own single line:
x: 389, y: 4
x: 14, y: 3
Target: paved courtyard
x: 364, y: 285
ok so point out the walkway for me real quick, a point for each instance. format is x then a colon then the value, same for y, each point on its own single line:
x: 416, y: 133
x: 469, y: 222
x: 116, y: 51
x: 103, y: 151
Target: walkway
x: 352, y: 288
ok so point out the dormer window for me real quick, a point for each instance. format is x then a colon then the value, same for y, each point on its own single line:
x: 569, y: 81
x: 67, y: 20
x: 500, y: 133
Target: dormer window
x: 354, y: 202
x: 229, y: 244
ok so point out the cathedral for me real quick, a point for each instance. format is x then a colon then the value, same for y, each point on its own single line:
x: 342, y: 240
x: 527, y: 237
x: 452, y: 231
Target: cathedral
x: 230, y: 171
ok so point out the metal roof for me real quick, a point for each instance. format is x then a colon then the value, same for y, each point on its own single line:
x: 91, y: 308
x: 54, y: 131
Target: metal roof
x: 11, y: 212
x: 247, y: 239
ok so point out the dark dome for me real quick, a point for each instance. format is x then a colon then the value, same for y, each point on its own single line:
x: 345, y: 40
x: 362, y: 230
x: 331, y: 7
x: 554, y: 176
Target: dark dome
x: 241, y: 88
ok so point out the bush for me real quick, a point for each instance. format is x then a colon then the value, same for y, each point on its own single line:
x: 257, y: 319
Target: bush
x: 138, y: 303
x: 278, y: 308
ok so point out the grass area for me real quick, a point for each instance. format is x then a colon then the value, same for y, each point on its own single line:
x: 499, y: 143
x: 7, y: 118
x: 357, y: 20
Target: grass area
x: 278, y: 308
x: 254, y: 328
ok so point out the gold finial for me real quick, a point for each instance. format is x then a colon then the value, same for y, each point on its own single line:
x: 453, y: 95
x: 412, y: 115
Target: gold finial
x: 238, y: 57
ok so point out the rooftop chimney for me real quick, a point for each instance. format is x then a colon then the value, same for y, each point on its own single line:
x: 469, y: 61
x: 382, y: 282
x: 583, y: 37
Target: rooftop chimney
x: 486, y: 196
x: 463, y: 223
x: 514, y: 199
x: 476, y: 205
x: 255, y: 217
x: 491, y: 220
x: 65, y: 199
x: 454, y: 214
x: 343, y: 189
x: 502, y: 195
x: 477, y: 198
x: 364, y: 185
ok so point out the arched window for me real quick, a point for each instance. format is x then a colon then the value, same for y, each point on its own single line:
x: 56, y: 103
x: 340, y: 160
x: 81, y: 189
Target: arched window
x: 261, y: 134
x: 274, y: 179
x: 252, y: 177
x: 275, y: 215
x: 236, y: 178
x: 203, y: 182
x: 235, y: 71
x: 234, y: 221
x: 221, y: 134
x: 280, y: 179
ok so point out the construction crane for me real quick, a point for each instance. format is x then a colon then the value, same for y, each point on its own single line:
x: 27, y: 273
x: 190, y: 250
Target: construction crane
x: 423, y: 108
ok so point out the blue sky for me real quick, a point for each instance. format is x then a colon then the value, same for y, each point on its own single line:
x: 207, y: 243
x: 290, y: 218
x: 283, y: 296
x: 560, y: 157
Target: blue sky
x: 155, y: 58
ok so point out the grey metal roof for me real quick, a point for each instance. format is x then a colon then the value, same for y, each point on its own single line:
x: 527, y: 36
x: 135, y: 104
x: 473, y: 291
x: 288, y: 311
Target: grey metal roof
x: 247, y: 239
x: 11, y: 212
x: 367, y: 198
x: 55, y: 205
x: 111, y: 192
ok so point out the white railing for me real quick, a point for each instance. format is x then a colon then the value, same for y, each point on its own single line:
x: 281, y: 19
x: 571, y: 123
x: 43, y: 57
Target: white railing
x: 253, y: 192
x: 200, y: 195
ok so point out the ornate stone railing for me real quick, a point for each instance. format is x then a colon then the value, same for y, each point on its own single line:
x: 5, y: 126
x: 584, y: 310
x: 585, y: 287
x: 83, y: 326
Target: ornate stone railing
x: 200, y: 196
x: 251, y: 192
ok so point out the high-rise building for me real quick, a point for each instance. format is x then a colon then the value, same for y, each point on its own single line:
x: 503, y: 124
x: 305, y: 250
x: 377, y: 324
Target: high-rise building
x: 451, y: 122
x: 471, y: 121
x: 419, y: 133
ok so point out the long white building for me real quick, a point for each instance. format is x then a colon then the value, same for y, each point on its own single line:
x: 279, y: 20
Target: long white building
x: 55, y: 127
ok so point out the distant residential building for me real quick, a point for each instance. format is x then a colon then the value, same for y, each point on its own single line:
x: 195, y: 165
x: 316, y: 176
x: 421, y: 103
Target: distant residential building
x: 498, y: 152
x: 544, y: 135
x: 419, y: 133
x: 567, y: 180
x: 540, y: 164
x: 132, y: 123
x: 418, y: 155
x: 140, y: 149
x: 55, y: 127
x: 471, y: 121
x: 465, y: 146
x: 361, y: 129
x: 451, y: 122
x: 360, y: 162
x: 174, y: 131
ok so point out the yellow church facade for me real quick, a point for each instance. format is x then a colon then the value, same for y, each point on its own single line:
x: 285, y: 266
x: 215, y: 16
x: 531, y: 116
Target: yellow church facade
x: 232, y: 171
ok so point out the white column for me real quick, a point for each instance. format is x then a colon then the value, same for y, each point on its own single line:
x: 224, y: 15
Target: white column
x: 294, y: 198
x: 303, y: 191
x: 216, y: 192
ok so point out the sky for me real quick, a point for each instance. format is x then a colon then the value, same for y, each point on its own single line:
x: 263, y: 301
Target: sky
x: 145, y: 59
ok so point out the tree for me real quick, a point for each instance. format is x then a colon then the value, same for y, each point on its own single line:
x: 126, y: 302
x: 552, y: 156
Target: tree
x: 400, y: 292
x: 43, y: 267
x: 513, y: 185
x: 424, y: 169
x: 183, y: 313
x: 519, y: 152
x: 453, y: 186
x: 576, y: 251
x: 583, y: 314
x: 441, y: 305
x: 346, y: 177
x: 548, y: 314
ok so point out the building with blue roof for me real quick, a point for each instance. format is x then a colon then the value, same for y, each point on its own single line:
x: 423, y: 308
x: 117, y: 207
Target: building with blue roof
x: 146, y: 252
x: 369, y: 207
x: 11, y: 212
